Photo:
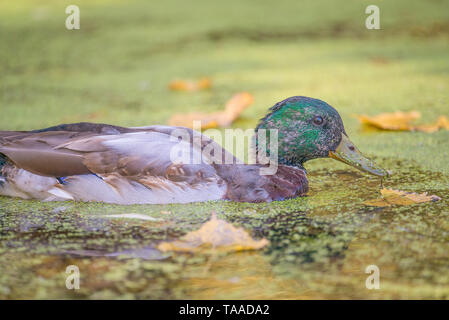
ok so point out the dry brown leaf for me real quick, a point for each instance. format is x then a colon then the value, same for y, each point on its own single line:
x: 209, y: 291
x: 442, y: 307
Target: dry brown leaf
x: 216, y: 234
x: 391, y: 121
x: 441, y: 123
x: 186, y: 120
x: 189, y: 85
x: 234, y: 107
x: 396, y: 197
x: 401, y: 121
x: 380, y: 60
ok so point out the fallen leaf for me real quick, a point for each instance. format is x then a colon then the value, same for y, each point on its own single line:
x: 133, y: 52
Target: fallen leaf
x: 380, y: 60
x: 441, y: 123
x: 396, y: 197
x: 189, y: 85
x: 401, y: 121
x: 391, y: 121
x: 216, y: 234
x: 234, y: 107
x: 186, y: 120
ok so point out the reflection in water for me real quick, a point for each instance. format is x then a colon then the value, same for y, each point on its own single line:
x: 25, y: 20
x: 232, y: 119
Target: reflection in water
x: 146, y: 253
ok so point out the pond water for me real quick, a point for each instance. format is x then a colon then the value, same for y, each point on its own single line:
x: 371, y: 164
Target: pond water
x: 320, y: 245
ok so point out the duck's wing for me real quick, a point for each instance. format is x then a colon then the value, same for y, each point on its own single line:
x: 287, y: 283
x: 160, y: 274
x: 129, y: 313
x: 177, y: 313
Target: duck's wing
x: 37, y: 152
x: 61, y: 150
x: 61, y: 153
x: 169, y: 169
x: 138, y: 155
x: 126, y: 162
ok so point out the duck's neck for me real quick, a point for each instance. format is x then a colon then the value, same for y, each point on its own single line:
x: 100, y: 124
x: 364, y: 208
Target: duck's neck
x: 286, y: 153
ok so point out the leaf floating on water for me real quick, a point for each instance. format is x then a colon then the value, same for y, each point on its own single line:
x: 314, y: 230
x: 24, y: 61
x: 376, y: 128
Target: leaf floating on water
x: 441, y: 123
x: 401, y: 121
x: 186, y: 120
x: 189, y: 85
x: 216, y: 234
x: 234, y: 107
x: 396, y: 197
x: 398, y: 121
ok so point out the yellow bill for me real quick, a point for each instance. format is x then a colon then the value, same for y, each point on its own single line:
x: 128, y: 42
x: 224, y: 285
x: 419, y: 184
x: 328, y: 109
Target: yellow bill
x: 346, y: 152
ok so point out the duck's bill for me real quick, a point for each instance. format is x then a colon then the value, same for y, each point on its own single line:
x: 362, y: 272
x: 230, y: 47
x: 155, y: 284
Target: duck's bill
x: 346, y: 152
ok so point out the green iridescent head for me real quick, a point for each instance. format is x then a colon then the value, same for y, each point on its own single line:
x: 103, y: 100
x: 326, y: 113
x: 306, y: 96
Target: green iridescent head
x: 310, y: 128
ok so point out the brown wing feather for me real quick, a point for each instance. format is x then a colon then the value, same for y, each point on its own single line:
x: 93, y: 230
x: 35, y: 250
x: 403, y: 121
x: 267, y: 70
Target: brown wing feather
x: 137, y: 156
x: 36, y: 153
x: 72, y: 149
x: 40, y: 151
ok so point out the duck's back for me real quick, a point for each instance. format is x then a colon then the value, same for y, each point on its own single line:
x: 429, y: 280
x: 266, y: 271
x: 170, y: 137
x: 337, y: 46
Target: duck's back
x: 97, y: 162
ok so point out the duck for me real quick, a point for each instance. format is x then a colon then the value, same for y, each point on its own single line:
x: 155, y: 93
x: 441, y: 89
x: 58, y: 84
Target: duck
x: 136, y: 165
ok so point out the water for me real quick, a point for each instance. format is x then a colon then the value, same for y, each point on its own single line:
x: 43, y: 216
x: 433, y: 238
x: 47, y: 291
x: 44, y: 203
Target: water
x: 319, y: 246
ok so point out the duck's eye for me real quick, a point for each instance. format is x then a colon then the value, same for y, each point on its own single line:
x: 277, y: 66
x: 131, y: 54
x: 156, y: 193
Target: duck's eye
x: 318, y: 120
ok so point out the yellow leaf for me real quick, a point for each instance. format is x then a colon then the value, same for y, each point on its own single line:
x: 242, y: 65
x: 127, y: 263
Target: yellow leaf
x: 441, y: 123
x: 216, y: 234
x: 189, y: 85
x: 186, y: 120
x: 234, y: 107
x: 403, y: 198
x: 401, y: 121
x: 391, y: 121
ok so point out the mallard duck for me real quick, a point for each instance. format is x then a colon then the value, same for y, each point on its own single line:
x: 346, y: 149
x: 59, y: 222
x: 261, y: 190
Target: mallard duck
x: 108, y: 163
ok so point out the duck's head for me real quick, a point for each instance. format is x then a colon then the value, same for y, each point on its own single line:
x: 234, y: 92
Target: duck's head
x: 309, y: 129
